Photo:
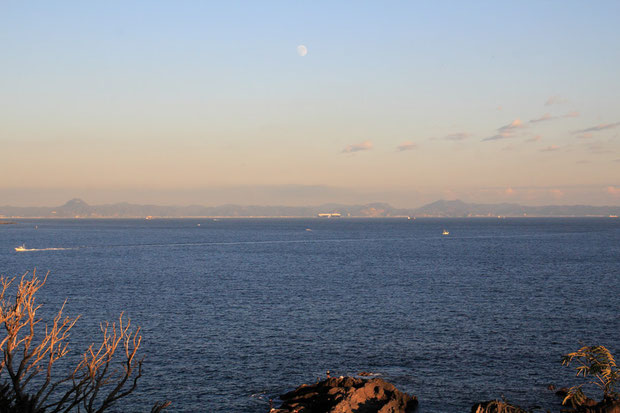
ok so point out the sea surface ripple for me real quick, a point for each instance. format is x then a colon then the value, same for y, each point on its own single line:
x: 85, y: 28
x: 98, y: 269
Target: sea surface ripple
x: 236, y: 311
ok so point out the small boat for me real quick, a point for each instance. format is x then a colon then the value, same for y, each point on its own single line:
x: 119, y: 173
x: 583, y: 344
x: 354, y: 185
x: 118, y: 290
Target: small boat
x: 445, y: 232
x: 21, y: 248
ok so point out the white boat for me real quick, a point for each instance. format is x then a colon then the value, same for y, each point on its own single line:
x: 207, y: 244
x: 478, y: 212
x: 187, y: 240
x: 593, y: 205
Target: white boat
x: 445, y: 232
x: 21, y: 248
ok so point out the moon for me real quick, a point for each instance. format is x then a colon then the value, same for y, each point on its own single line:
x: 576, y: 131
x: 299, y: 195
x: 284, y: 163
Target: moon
x: 302, y: 50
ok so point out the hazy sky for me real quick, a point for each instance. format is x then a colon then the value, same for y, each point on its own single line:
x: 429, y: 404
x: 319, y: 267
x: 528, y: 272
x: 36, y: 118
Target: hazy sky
x: 177, y: 102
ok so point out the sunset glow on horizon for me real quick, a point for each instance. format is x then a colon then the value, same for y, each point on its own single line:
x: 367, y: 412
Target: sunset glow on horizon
x: 305, y: 103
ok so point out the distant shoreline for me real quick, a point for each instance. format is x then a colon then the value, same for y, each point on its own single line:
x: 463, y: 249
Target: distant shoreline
x: 218, y: 217
x: 77, y: 208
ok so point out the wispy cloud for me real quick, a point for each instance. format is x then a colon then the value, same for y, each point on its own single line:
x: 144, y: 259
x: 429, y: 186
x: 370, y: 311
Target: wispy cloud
x: 550, y: 148
x: 548, y: 116
x: 555, y: 100
x: 459, y: 136
x: 506, y: 131
x: 357, y: 147
x: 597, y: 128
x: 501, y: 135
x: 598, y: 147
x: 543, y: 118
x: 515, y: 124
x: 586, y: 135
x: 534, y: 139
x: 406, y: 146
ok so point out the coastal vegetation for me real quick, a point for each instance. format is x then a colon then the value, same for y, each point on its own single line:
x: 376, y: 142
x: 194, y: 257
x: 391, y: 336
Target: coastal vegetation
x: 29, y: 381
x: 598, y: 366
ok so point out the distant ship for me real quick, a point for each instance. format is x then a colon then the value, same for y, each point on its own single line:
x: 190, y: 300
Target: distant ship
x: 329, y: 215
x: 21, y: 248
x: 445, y: 232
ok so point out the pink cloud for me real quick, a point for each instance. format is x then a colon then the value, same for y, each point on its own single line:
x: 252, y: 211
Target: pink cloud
x: 612, y: 190
x: 603, y: 126
x: 499, y: 136
x: 550, y: 148
x: 543, y: 118
x: 506, y: 131
x: 556, y: 193
x: 534, y: 139
x: 515, y: 124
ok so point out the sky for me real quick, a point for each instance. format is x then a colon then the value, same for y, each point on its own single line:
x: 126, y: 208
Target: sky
x: 196, y: 102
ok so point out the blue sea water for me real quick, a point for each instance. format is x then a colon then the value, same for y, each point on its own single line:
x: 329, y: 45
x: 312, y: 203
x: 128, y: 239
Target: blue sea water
x: 236, y: 311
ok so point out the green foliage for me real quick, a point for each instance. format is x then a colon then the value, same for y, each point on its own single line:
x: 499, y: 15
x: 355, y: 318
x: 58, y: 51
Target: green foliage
x: 598, y: 365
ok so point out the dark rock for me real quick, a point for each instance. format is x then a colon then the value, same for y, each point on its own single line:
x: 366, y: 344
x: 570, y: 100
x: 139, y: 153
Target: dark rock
x: 496, y: 406
x: 347, y: 395
x: 562, y: 392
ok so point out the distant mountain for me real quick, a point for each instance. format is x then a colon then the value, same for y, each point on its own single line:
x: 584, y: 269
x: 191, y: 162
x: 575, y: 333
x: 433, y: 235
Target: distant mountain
x: 77, y: 208
x: 458, y: 208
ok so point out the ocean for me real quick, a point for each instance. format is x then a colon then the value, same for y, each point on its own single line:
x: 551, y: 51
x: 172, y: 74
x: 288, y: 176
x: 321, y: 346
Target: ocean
x: 237, y: 311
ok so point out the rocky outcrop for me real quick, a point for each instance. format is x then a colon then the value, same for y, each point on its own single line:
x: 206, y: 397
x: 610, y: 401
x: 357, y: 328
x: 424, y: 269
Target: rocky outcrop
x: 347, y: 395
x: 607, y: 405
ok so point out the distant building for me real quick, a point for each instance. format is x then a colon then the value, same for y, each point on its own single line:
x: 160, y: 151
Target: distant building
x: 329, y: 215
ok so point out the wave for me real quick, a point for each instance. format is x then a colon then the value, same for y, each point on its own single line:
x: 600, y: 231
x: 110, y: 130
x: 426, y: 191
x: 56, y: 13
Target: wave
x: 262, y: 242
x: 214, y: 243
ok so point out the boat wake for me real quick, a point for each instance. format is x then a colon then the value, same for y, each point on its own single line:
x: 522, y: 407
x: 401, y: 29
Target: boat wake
x: 42, y: 249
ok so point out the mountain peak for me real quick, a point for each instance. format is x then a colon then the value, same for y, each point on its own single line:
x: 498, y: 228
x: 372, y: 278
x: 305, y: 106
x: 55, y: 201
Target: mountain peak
x: 75, y: 202
x: 444, y: 202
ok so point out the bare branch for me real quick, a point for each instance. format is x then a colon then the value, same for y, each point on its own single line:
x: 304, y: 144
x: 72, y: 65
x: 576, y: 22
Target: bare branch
x: 93, y: 385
